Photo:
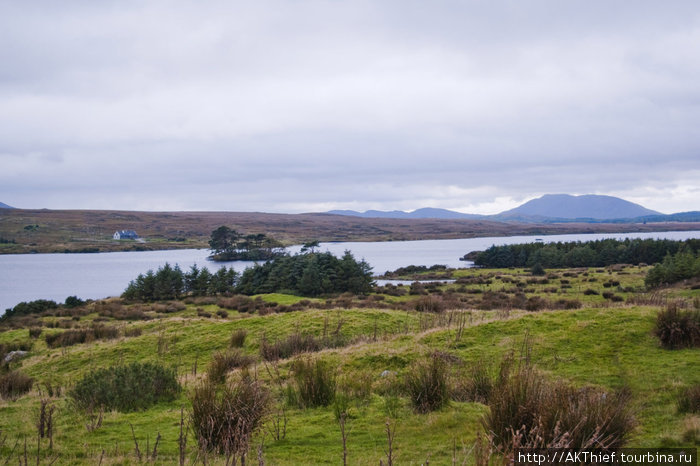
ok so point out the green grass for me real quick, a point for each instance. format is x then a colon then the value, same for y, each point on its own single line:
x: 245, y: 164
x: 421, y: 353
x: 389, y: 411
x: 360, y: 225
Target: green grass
x: 603, y: 344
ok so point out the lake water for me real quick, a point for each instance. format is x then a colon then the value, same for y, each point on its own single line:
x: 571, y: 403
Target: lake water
x: 26, y: 277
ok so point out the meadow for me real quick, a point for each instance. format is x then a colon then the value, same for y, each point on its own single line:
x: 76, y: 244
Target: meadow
x: 589, y: 328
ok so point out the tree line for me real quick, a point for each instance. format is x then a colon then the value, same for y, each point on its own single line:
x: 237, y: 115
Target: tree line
x: 309, y: 274
x: 597, y: 253
x: 682, y: 265
x: 172, y: 283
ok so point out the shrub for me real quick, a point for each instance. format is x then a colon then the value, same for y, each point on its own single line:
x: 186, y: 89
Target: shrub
x: 34, y: 332
x: 238, y: 338
x: 535, y: 303
x: 225, y: 361
x: 678, y: 329
x: 689, y: 399
x: 426, y: 383
x: 529, y: 411
x: 73, y: 301
x: 476, y: 385
x: 224, y: 421
x: 133, y: 387
x: 77, y: 336
x: 132, y: 331
x: 314, y: 382
x: 15, y: 384
x: 430, y: 303
x: 292, y: 345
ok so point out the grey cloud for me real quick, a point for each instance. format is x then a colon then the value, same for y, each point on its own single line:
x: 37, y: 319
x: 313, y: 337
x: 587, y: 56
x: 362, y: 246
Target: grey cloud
x: 284, y: 105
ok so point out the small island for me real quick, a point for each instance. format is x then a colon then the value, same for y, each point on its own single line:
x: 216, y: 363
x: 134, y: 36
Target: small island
x: 228, y: 244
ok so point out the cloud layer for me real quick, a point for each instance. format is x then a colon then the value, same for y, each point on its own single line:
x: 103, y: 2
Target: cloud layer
x: 312, y: 105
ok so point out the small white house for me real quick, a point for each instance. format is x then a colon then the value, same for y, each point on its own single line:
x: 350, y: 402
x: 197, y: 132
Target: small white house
x: 125, y: 234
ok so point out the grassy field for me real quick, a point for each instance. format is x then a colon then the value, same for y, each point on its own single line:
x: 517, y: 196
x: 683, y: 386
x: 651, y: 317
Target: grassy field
x: 49, y: 231
x: 589, y: 327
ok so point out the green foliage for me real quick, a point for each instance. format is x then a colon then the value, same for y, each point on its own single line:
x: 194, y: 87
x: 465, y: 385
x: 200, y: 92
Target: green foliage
x: 582, y: 254
x: 172, y: 283
x: 676, y: 328
x: 314, y: 383
x: 125, y: 388
x: 426, y: 383
x: 14, y: 384
x: 225, y: 419
x: 32, y: 307
x: 309, y: 274
x: 680, y: 266
x: 73, y: 301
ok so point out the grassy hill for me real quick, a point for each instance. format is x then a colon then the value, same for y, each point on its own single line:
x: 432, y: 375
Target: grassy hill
x: 587, y: 327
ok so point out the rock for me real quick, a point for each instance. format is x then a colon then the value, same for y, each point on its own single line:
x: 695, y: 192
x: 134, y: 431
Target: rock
x: 14, y: 355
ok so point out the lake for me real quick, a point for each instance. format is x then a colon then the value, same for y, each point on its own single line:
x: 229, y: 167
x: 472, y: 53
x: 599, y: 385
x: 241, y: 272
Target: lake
x: 26, y: 277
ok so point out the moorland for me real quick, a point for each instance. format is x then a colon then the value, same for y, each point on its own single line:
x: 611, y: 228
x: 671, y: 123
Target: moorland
x: 415, y: 374
x: 50, y: 231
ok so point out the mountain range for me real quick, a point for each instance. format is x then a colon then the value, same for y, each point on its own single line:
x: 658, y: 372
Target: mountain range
x: 5, y: 206
x: 590, y: 208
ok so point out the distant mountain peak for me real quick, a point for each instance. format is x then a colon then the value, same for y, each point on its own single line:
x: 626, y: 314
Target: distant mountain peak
x: 5, y: 206
x: 425, y: 212
x: 587, y: 206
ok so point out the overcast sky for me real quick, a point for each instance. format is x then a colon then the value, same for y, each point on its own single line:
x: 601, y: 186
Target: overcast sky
x: 300, y: 106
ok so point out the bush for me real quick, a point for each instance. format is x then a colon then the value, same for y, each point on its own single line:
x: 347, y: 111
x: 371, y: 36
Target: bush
x: 15, y: 384
x: 225, y: 361
x: 133, y: 387
x: 314, y: 382
x: 238, y: 338
x: 426, y: 383
x: 476, y: 385
x: 224, y: 421
x: 678, y: 329
x: 430, y: 304
x: 77, y: 336
x: 689, y: 399
x: 529, y: 411
x: 132, y: 331
x: 292, y: 345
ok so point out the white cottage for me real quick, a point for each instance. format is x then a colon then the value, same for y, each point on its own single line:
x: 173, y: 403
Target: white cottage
x: 125, y: 234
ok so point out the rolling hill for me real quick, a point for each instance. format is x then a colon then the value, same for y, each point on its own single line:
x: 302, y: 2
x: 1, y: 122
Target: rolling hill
x: 550, y: 208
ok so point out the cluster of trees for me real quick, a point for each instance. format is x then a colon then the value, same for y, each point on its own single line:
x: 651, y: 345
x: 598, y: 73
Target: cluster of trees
x: 680, y: 266
x: 310, y: 274
x: 32, y: 307
x: 229, y: 245
x: 172, y: 283
x: 40, y: 305
x: 582, y: 254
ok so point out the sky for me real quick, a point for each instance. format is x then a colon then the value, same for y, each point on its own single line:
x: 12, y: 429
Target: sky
x: 311, y: 105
